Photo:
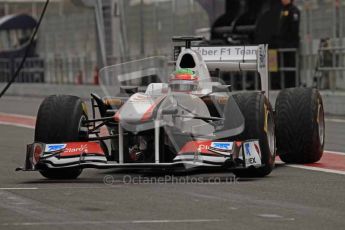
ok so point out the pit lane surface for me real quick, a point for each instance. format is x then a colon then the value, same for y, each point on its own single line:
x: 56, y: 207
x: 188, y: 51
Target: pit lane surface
x: 290, y: 198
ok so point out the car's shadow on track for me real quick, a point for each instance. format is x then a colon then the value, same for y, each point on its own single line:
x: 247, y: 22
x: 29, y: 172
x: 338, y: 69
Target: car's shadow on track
x: 128, y: 177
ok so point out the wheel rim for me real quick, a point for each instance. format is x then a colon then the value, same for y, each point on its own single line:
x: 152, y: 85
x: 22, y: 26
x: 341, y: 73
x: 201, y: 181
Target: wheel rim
x: 270, y: 134
x: 321, y: 124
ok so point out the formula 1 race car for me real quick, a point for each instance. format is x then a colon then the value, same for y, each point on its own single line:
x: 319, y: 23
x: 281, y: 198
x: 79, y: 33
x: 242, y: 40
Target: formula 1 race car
x: 183, y: 120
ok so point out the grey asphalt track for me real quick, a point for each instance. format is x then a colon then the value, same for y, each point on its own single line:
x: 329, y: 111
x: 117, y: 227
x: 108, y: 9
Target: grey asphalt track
x: 289, y: 198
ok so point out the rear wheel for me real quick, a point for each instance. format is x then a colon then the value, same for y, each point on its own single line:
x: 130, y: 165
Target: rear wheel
x: 300, y: 125
x: 259, y: 125
x: 59, y: 120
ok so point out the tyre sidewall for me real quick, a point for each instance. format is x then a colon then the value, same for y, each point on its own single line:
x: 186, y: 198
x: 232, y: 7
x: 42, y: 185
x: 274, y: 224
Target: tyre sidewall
x: 256, y: 109
x: 267, y: 156
x: 298, y: 121
x: 58, y: 120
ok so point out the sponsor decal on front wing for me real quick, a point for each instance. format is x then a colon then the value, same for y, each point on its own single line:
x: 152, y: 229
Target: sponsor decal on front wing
x: 77, y: 148
x: 73, y: 149
x: 252, y: 154
x: 54, y: 147
x: 222, y: 145
x: 223, y: 148
x: 208, y: 147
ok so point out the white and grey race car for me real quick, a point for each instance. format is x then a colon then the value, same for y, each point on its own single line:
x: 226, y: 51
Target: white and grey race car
x: 185, y: 120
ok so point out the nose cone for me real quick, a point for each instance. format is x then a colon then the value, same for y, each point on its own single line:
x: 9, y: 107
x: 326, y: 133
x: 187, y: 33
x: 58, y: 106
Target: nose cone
x: 139, y: 108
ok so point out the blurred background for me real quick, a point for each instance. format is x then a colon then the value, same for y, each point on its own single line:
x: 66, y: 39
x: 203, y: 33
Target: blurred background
x: 78, y: 37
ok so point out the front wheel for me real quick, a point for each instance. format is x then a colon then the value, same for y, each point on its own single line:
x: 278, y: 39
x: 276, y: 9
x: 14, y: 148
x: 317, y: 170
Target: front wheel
x: 259, y: 125
x: 59, y: 120
x: 300, y: 125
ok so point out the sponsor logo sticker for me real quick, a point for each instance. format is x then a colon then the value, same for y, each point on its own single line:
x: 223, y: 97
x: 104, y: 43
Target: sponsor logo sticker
x: 262, y: 57
x: 54, y: 147
x: 247, y: 149
x: 202, y: 147
x: 251, y: 154
x: 76, y: 149
x: 222, y: 145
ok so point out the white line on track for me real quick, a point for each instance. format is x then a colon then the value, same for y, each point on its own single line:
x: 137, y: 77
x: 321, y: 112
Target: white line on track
x: 335, y: 152
x: 111, y: 222
x: 62, y: 188
x: 335, y: 120
x: 278, y: 162
x: 16, y: 125
x: 317, y: 169
x: 17, y: 115
x: 275, y: 216
x: 32, y: 188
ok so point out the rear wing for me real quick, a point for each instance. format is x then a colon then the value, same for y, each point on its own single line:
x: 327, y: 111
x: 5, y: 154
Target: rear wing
x: 235, y: 58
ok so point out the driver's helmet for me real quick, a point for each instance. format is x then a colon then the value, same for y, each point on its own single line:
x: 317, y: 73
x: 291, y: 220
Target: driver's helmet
x: 184, y: 80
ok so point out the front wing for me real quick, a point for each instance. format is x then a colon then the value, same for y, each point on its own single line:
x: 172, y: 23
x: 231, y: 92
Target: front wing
x: 196, y: 154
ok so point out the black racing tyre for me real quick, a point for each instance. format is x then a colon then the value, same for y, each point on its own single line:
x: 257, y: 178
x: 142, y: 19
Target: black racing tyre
x: 259, y: 124
x: 59, y: 120
x: 300, y: 125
